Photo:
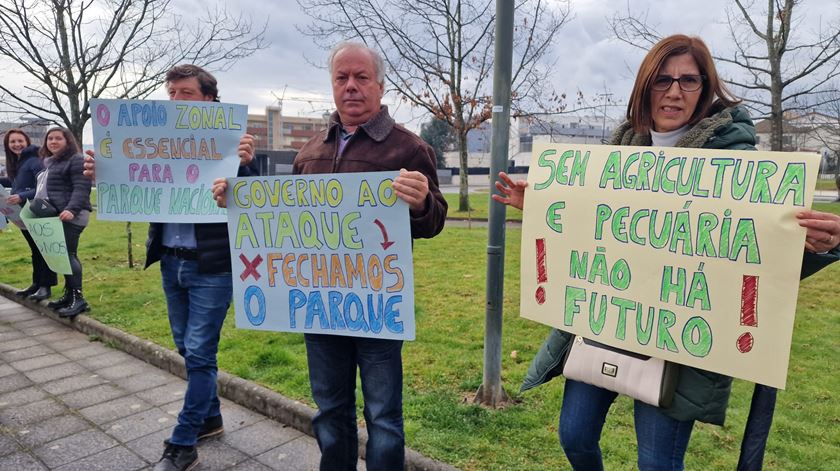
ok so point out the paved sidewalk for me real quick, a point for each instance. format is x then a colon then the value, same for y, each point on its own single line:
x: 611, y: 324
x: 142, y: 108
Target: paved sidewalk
x: 69, y: 403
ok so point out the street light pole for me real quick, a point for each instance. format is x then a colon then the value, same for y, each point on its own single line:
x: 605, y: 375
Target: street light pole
x: 491, y: 393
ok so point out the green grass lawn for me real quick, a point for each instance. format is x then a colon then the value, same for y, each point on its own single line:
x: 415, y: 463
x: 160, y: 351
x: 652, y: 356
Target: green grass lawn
x: 480, y: 207
x: 443, y: 367
x: 826, y: 184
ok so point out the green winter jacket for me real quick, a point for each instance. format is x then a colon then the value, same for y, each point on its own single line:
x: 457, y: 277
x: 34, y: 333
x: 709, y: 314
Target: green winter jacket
x: 700, y: 395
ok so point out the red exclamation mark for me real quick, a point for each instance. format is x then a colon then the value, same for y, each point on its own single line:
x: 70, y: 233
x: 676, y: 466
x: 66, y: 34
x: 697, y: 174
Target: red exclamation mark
x: 542, y: 275
x: 749, y: 311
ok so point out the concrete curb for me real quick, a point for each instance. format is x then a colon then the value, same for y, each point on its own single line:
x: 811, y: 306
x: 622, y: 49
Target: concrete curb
x: 245, y: 393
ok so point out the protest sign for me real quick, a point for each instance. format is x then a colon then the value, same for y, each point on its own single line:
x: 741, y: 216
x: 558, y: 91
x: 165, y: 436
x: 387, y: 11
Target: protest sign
x: 48, y: 234
x: 323, y: 254
x: 8, y: 211
x: 156, y: 160
x: 690, y: 255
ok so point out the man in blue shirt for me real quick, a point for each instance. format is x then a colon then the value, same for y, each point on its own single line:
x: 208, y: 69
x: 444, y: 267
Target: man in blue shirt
x: 196, y: 277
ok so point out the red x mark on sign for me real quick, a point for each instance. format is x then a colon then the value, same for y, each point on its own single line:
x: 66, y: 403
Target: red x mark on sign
x: 250, y: 267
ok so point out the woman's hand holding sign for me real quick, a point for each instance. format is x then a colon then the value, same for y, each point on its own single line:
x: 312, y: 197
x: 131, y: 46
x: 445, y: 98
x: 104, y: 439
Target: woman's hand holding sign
x: 823, y: 230
x: 514, y: 191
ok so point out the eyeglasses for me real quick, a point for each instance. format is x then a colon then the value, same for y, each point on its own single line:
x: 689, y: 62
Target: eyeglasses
x: 688, y: 83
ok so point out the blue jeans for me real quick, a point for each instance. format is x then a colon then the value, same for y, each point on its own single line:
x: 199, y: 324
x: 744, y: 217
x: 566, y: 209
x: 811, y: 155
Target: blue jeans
x: 197, y: 304
x: 662, y: 441
x: 332, y: 375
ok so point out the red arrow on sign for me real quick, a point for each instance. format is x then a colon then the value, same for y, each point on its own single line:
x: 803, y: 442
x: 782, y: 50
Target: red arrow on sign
x: 386, y: 243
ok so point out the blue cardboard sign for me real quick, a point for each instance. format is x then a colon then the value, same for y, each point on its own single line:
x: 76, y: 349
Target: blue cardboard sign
x: 156, y: 160
x: 324, y: 254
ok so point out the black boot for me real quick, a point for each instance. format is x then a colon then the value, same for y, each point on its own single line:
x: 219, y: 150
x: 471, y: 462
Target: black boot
x: 76, y: 306
x: 63, y: 301
x: 43, y: 292
x: 26, y: 292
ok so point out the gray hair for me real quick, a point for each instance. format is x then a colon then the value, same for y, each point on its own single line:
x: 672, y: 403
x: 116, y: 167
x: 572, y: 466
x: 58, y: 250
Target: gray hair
x: 378, y: 61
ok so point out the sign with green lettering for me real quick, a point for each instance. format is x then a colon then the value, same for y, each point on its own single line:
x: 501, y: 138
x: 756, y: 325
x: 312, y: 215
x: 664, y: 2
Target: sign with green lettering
x: 48, y: 234
x: 690, y: 255
x: 156, y: 160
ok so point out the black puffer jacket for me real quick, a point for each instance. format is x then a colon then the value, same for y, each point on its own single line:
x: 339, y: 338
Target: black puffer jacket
x: 67, y: 187
x: 29, y: 166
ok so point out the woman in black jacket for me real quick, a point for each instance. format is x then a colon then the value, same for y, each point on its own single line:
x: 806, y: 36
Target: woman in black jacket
x: 23, y: 165
x: 66, y: 188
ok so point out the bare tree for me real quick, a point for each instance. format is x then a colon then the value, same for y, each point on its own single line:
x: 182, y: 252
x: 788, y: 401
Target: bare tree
x: 65, y: 52
x: 786, y: 63
x: 827, y: 130
x: 440, y: 54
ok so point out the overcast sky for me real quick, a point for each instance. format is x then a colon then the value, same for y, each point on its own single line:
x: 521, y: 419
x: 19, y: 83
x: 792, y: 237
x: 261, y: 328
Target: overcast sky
x: 588, y: 57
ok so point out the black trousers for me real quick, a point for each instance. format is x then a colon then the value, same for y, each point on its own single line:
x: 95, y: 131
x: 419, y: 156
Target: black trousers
x: 72, y: 232
x: 41, y: 273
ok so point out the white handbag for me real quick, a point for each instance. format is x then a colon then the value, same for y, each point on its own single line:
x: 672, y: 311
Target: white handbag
x: 650, y: 380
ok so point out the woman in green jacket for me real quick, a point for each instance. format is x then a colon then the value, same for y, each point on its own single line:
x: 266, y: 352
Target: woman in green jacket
x: 678, y: 100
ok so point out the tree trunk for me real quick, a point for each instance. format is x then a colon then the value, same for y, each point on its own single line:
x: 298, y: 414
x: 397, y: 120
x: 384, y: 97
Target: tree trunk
x: 130, y: 248
x: 464, y: 186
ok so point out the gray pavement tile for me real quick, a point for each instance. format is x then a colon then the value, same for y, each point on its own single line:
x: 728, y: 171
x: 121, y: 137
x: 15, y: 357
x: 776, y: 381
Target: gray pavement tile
x: 117, y: 457
x: 9, y: 311
x: 17, y: 344
x: 143, y: 381
x: 39, y: 362
x: 150, y: 447
x: 20, y: 397
x: 62, y: 334
x: 260, y: 437
x: 106, y: 359
x: 6, y: 370
x: 126, y: 369
x: 173, y: 408
x: 51, y: 429
x: 250, y: 465
x: 90, y: 350
x: 8, y: 445
x: 21, y: 462
x: 7, y: 337
x: 95, y: 395
x: 236, y: 417
x: 21, y: 416
x: 52, y: 373
x: 14, y: 382
x: 68, y: 449
x: 71, y: 343
x: 137, y: 425
x: 42, y: 329
x: 73, y: 383
x: 21, y: 314
x: 114, y: 410
x: 5, y: 327
x: 25, y: 353
x: 298, y: 455
x: 36, y: 322
x: 173, y: 391
x: 214, y: 455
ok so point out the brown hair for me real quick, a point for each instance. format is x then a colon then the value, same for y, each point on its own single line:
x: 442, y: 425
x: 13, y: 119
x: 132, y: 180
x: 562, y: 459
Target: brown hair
x: 638, y: 108
x: 206, y: 80
x: 12, y: 159
x: 69, y: 151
